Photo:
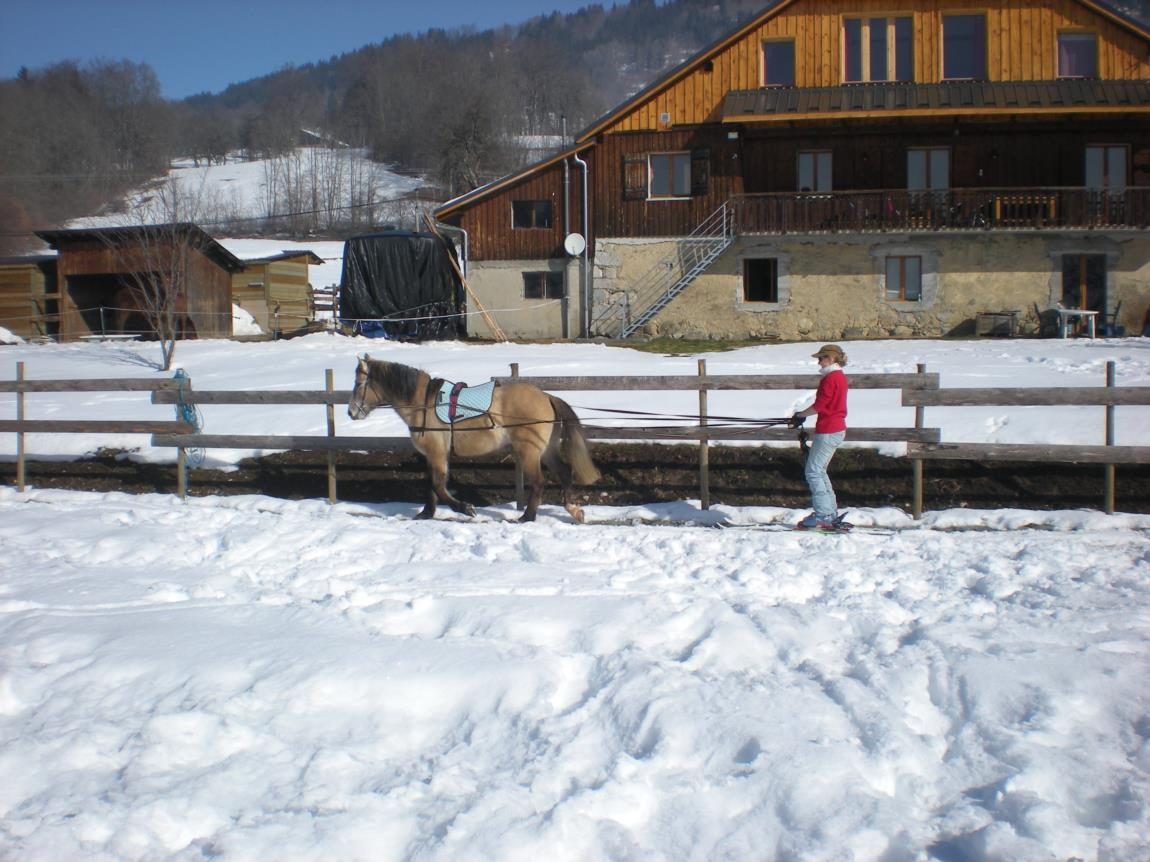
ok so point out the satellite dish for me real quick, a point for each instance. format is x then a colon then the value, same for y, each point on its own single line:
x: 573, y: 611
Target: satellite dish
x: 574, y: 244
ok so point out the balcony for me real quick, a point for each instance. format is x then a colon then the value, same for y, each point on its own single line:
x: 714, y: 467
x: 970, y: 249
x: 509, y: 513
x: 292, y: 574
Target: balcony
x: 902, y: 211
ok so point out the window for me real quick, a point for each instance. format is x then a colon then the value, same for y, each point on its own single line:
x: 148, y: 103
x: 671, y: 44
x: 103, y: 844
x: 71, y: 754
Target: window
x: 964, y: 47
x: 878, y: 49
x: 530, y: 214
x: 543, y: 285
x: 928, y: 168
x: 779, y: 63
x: 904, y: 278
x: 815, y: 171
x: 1106, y: 168
x: 1077, y: 55
x: 761, y: 279
x: 670, y: 175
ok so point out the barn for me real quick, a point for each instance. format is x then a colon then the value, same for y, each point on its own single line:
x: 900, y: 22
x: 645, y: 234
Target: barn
x: 29, y: 303
x: 276, y: 291
x: 99, y: 272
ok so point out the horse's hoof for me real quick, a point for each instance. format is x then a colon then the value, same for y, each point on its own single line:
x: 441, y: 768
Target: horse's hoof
x: 425, y: 515
x: 527, y: 516
x: 576, y: 512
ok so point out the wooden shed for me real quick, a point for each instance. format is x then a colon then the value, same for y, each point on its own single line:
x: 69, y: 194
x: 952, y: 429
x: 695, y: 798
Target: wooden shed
x: 29, y: 302
x: 276, y: 291
x: 100, y: 270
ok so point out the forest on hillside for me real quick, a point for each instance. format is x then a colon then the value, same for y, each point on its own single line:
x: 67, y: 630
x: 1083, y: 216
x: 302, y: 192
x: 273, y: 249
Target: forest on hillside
x: 454, y: 106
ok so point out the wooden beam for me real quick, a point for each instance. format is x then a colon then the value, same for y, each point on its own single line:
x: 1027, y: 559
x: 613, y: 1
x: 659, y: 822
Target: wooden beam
x: 1037, y: 396
x: 1064, y: 453
x: 225, y: 396
x: 724, y: 382
x: 756, y: 433
x: 131, y: 384
x: 93, y: 426
x: 283, y: 442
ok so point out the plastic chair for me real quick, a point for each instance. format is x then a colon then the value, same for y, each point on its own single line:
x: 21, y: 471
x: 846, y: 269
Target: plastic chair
x: 1110, y: 326
x: 1047, y: 322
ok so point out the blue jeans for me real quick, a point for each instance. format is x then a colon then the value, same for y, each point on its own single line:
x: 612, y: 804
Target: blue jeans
x: 823, y: 448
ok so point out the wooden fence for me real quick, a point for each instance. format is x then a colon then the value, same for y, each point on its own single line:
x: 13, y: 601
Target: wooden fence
x: 919, y: 390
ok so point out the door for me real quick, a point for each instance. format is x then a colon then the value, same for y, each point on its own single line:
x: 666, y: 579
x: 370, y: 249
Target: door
x: 1084, y: 282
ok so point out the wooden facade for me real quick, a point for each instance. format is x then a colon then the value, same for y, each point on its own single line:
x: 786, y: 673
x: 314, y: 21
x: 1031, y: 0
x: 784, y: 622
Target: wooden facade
x: 1021, y: 46
x: 28, y: 297
x: 276, y: 291
x: 98, y: 270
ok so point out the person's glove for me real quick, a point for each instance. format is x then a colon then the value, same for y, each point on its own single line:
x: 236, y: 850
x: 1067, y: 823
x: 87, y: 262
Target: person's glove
x: 797, y: 420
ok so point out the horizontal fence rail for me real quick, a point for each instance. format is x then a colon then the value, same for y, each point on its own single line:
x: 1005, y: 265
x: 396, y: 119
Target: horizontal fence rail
x: 919, y: 390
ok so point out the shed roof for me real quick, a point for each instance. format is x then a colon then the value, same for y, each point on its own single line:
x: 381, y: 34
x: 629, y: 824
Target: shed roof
x: 116, y: 236
x: 287, y: 254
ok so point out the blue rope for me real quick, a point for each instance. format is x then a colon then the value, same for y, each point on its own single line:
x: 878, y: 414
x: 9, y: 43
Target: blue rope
x: 189, y: 413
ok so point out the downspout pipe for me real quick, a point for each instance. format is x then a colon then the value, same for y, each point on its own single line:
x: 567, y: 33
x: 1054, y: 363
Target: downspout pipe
x: 566, y: 185
x: 585, y: 322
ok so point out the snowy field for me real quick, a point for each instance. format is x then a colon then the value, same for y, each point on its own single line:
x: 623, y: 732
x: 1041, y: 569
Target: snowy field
x: 247, y: 678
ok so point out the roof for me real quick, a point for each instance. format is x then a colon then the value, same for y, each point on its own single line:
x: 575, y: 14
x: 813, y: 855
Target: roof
x: 707, y: 54
x: 901, y: 99
x: 492, y: 188
x: 117, y: 235
x: 27, y: 259
x: 286, y: 254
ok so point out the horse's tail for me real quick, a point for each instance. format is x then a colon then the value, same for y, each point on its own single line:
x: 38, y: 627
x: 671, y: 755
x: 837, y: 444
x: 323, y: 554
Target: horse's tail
x: 573, y: 444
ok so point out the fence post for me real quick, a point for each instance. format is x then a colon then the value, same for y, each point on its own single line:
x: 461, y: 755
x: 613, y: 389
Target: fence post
x: 704, y: 450
x: 331, y: 494
x: 520, y: 497
x: 20, y: 466
x: 919, y: 423
x: 1108, y: 482
x: 182, y: 473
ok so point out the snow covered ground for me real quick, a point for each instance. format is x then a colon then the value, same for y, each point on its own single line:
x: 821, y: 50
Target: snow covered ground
x: 247, y: 678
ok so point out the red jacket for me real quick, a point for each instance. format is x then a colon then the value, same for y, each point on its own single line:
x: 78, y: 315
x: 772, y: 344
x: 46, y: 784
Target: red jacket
x: 831, y: 403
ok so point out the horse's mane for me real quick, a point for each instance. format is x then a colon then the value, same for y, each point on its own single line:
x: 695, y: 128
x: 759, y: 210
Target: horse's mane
x: 399, y: 382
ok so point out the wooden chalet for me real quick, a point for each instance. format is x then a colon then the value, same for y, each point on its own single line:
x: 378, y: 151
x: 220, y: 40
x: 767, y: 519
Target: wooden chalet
x: 843, y: 169
x: 99, y: 270
x: 276, y: 291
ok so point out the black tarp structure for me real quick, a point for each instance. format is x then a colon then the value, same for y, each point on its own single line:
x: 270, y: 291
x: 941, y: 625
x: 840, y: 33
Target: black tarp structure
x: 401, y: 285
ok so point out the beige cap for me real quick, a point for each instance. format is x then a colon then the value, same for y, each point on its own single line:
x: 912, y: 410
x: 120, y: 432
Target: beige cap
x: 832, y: 350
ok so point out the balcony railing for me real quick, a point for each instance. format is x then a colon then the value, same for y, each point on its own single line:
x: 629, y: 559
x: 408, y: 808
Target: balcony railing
x: 950, y: 210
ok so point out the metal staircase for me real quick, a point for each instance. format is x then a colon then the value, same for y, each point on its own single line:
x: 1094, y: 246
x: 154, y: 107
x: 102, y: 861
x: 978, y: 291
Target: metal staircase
x: 669, y: 277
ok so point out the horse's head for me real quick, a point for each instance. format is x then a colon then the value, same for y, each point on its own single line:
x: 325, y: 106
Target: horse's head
x: 385, y: 384
x: 363, y: 399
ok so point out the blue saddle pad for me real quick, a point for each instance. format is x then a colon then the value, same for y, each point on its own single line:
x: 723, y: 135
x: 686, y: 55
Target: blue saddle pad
x: 470, y: 401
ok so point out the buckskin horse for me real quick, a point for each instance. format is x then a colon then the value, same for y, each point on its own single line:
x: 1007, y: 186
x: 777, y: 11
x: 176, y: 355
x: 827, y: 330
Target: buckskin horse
x: 540, y: 429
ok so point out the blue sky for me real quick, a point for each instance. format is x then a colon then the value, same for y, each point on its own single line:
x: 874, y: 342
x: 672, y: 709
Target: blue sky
x: 205, y: 45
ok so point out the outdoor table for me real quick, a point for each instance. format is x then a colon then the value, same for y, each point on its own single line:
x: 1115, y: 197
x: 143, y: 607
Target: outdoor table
x: 1065, y: 314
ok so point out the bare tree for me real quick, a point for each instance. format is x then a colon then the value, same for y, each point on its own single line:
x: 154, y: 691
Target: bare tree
x: 157, y: 260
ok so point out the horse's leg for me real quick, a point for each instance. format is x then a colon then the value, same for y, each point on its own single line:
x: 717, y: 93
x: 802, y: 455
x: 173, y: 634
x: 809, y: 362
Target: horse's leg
x: 533, y: 479
x: 562, y: 470
x: 432, y: 496
x: 437, y: 473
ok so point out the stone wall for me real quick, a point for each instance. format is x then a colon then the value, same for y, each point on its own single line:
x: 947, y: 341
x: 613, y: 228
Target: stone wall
x: 499, y: 287
x: 834, y: 287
